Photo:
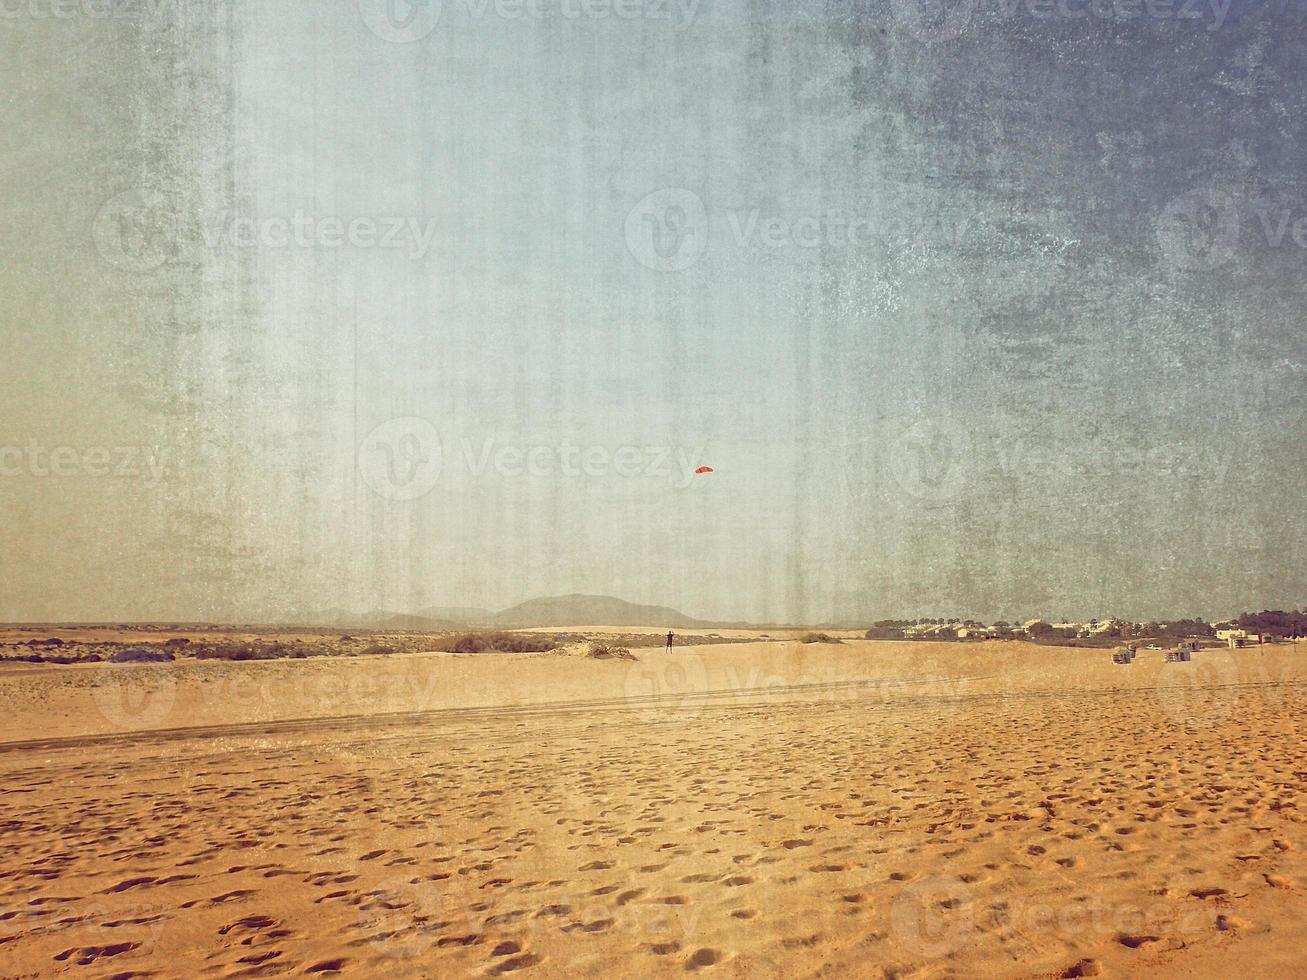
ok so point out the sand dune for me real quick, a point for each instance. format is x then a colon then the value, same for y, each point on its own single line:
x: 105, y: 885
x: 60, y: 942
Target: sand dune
x: 862, y: 809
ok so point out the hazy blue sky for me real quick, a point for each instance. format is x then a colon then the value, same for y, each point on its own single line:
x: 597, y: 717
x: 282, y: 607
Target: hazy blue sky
x: 994, y: 310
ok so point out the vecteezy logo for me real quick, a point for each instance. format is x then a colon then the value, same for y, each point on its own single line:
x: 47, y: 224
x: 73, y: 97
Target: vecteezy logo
x: 659, y: 683
x: 929, y: 460
x: 668, y: 230
x: 132, y: 698
x: 934, y: 20
x: 400, y: 21
x: 402, y: 912
x: 1204, y: 690
x: 1198, y: 230
x: 135, y: 230
x: 932, y: 917
x: 400, y: 459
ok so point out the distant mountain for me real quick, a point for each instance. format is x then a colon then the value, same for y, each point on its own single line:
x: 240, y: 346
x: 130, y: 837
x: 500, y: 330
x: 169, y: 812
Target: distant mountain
x: 565, y: 610
x: 467, y: 615
x: 328, y: 618
x: 594, y: 610
x: 401, y: 621
x: 376, y: 620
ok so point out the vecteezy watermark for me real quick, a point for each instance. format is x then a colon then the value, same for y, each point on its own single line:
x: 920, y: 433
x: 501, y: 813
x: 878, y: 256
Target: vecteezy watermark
x: 349, y: 693
x: 836, y: 229
x: 1205, y: 690
x: 1198, y: 230
x: 933, y: 21
x: 669, y: 230
x: 679, y: 11
x: 1276, y: 224
x: 935, y: 458
x: 408, y: 914
x: 136, y: 230
x: 131, y: 917
x: 400, y: 21
x: 131, y: 697
x: 75, y: 9
x: 64, y: 462
x: 402, y: 908
x: 933, y: 917
x: 402, y: 460
x: 1044, y: 455
x: 302, y: 230
x: 1128, y: 923
x: 1213, y: 12
x: 405, y: 21
x: 656, y: 684
x: 683, y: 682
x: 930, y: 458
x: 1201, y: 229
x: 567, y: 460
x: 139, y: 230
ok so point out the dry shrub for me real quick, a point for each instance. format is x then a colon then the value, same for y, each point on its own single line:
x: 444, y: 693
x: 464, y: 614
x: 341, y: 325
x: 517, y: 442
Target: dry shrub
x: 600, y: 650
x: 497, y: 643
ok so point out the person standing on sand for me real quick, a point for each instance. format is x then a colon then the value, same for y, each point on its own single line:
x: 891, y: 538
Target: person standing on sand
x: 670, y: 635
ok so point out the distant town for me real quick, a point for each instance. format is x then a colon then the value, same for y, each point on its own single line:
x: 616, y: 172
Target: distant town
x: 1268, y: 626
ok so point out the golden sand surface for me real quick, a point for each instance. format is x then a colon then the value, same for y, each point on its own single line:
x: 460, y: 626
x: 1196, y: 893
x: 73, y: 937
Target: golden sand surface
x: 771, y: 809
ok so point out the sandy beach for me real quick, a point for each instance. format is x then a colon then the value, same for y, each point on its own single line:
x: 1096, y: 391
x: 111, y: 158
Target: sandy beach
x: 865, y: 808
x: 604, y: 489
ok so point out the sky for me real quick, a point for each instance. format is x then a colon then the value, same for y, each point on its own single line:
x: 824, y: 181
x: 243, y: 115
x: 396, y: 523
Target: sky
x: 990, y: 309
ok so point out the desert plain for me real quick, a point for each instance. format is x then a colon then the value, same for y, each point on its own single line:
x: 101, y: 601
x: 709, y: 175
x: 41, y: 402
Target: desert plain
x: 757, y: 808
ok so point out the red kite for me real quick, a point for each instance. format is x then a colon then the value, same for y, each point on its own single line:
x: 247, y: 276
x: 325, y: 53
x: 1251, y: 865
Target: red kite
x: 704, y: 469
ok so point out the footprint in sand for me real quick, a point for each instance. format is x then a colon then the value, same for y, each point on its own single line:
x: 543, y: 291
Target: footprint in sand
x: 87, y: 955
x: 516, y: 963
x: 1137, y: 942
x: 1085, y: 968
x: 327, y: 966
x: 249, y: 922
x: 702, y: 958
x: 445, y: 942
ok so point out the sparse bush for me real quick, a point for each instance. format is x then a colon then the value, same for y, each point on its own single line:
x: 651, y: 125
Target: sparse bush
x: 524, y: 643
x: 497, y: 643
x: 879, y: 632
x: 467, y: 643
x: 238, y: 651
x: 819, y: 638
x: 140, y: 655
x: 599, y: 650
